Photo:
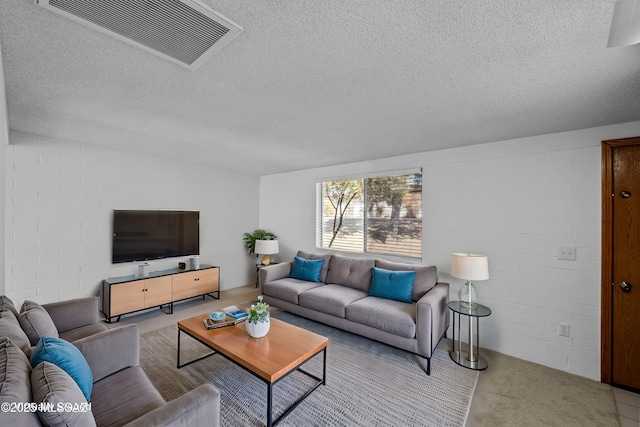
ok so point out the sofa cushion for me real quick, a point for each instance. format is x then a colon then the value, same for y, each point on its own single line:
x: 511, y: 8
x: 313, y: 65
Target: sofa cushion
x: 325, y: 265
x: 288, y: 289
x: 395, y: 285
x: 73, y: 313
x: 10, y: 327
x: 391, y: 316
x: 306, y: 269
x: 83, y: 331
x: 426, y: 276
x: 7, y: 304
x: 124, y: 396
x: 15, y: 384
x: 66, y: 356
x: 36, y: 322
x: 53, y: 386
x: 352, y: 272
x: 330, y: 299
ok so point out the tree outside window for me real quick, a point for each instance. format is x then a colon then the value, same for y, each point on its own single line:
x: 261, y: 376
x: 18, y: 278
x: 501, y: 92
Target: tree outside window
x: 380, y: 215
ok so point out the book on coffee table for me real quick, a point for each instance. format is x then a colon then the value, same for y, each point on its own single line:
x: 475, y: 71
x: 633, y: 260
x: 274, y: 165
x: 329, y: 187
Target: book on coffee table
x: 235, y: 312
x: 228, y: 321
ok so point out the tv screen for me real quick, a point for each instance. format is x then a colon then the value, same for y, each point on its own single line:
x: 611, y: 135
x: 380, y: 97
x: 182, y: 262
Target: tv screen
x: 146, y: 235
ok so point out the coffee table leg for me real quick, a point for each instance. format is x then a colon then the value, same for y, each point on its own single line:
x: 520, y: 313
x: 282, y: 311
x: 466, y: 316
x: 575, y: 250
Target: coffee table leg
x: 324, y: 366
x: 269, y: 404
x: 321, y: 381
x: 178, y: 358
x: 211, y: 353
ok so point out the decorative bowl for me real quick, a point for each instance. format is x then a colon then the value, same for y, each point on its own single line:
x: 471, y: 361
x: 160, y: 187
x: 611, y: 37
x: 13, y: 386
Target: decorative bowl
x: 217, y: 315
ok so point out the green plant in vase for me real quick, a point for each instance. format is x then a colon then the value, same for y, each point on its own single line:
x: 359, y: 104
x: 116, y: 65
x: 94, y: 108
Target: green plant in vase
x: 258, y: 312
x: 249, y: 239
x: 258, y: 323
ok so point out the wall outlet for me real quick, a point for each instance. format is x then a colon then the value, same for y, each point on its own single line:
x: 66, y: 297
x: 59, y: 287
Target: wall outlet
x: 567, y: 253
x: 563, y: 329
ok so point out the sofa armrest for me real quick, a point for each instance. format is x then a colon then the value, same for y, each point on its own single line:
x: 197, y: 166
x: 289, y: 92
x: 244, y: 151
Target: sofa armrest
x: 71, y: 314
x: 199, y: 407
x: 111, y: 351
x: 432, y: 318
x: 273, y: 272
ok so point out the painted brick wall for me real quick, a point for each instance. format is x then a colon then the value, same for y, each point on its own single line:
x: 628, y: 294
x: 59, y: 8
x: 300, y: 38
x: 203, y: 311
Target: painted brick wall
x: 518, y: 208
x: 516, y: 201
x: 59, y: 200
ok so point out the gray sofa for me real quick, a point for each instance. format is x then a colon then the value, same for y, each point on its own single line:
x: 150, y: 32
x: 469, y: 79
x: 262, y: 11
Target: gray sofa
x: 70, y: 320
x: 341, y: 299
x: 121, y: 392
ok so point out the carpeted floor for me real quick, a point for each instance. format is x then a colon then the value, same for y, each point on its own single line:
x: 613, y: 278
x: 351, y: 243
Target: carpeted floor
x: 368, y: 383
x: 514, y: 392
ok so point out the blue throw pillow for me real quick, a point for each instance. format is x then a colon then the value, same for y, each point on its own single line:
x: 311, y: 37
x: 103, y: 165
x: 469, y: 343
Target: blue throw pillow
x: 396, y: 285
x: 67, y: 357
x: 306, y: 269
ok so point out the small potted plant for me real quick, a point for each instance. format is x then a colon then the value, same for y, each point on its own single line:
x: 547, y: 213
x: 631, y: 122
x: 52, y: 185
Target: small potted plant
x: 249, y: 239
x: 257, y: 322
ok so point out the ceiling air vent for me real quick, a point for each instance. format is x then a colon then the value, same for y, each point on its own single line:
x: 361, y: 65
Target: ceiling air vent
x: 182, y: 31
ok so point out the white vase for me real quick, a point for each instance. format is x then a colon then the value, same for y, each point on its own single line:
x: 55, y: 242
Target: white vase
x: 258, y: 330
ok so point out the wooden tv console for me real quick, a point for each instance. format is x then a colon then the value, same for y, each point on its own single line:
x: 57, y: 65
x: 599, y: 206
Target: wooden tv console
x: 128, y: 294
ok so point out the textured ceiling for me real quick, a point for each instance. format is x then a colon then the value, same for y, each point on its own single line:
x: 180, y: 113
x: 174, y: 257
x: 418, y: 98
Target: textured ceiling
x: 315, y: 83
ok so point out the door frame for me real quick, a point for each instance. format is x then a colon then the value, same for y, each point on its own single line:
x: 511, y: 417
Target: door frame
x: 607, y: 285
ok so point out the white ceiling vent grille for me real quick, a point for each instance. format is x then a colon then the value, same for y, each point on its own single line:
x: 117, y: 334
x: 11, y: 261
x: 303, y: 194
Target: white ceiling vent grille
x: 182, y: 31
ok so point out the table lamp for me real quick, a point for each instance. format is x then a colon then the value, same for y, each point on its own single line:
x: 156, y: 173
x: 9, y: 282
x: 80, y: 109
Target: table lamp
x: 469, y: 267
x: 266, y: 248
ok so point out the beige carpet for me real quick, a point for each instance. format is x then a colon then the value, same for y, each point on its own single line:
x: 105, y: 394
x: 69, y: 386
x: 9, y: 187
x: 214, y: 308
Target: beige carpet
x: 514, y: 392
x: 368, y: 383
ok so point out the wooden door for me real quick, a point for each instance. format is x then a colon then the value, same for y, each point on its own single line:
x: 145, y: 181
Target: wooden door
x: 623, y: 302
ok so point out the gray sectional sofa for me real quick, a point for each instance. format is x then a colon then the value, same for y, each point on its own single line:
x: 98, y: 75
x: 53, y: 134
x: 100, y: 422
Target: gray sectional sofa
x: 121, y: 393
x: 342, y: 298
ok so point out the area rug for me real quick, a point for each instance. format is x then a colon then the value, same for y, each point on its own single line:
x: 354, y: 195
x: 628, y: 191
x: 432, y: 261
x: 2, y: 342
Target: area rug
x: 368, y: 383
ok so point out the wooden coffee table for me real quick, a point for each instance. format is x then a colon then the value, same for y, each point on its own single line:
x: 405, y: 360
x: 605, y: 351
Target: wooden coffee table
x: 271, y: 358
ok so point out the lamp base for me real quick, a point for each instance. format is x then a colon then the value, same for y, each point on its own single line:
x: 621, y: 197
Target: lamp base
x: 266, y: 260
x: 468, y: 295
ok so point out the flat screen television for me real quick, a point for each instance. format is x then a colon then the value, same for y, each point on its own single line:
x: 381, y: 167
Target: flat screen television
x: 140, y: 235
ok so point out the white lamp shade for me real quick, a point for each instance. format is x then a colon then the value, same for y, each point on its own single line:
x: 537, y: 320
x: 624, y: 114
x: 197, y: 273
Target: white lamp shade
x: 625, y: 25
x: 469, y: 266
x: 266, y: 247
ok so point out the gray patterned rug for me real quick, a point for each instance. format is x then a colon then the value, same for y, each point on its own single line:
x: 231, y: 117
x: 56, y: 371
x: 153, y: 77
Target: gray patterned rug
x: 368, y: 383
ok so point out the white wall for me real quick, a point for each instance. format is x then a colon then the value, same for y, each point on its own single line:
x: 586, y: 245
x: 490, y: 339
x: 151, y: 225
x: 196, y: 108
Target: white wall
x: 516, y: 201
x: 59, y: 200
x: 4, y: 141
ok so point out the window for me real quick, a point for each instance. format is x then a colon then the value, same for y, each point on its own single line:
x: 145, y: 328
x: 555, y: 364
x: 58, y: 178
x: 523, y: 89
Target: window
x: 381, y: 214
